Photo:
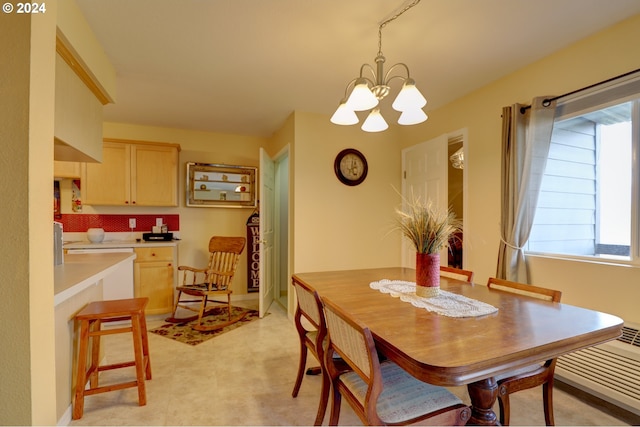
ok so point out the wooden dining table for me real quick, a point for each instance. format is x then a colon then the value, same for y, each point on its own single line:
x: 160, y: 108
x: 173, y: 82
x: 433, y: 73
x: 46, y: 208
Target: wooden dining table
x: 471, y: 351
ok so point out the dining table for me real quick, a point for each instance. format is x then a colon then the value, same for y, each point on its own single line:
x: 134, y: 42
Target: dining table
x: 470, y: 350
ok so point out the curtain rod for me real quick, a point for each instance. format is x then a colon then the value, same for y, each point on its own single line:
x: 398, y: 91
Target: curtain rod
x: 546, y: 102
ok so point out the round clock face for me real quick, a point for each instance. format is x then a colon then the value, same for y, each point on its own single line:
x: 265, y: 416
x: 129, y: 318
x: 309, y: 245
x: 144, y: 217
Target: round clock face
x: 350, y: 167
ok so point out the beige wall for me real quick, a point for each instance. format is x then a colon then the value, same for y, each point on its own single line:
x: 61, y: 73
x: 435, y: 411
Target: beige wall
x: 27, y: 368
x: 336, y: 226
x: 596, y: 58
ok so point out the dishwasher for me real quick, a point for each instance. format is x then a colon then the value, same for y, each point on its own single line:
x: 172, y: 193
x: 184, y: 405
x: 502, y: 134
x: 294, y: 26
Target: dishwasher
x: 118, y: 284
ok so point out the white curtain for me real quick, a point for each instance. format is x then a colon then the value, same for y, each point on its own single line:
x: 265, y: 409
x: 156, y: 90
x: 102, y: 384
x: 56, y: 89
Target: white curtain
x: 526, y: 136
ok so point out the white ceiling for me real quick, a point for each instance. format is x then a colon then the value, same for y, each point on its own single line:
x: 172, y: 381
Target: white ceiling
x: 242, y: 66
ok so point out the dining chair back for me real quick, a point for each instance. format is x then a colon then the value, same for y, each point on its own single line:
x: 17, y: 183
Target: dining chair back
x: 201, y: 286
x: 456, y: 273
x: 531, y: 376
x: 309, y: 311
x: 381, y: 392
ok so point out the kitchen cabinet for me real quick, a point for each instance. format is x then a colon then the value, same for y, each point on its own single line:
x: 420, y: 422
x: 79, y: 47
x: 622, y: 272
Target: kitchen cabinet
x: 154, y: 277
x: 78, y: 115
x: 66, y: 169
x: 133, y: 173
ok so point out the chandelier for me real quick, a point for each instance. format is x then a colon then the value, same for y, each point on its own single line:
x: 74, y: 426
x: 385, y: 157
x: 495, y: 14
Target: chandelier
x: 367, y: 92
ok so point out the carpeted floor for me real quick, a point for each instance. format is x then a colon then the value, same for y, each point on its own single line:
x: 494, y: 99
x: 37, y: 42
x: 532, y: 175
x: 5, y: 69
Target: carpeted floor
x: 184, y: 332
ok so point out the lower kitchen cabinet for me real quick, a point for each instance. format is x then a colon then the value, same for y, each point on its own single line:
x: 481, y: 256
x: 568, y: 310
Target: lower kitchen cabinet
x: 153, y: 277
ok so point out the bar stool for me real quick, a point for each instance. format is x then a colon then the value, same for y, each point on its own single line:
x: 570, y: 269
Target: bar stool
x: 91, y: 318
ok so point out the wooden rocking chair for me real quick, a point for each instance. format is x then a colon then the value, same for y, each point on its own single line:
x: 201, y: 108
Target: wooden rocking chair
x: 200, y: 285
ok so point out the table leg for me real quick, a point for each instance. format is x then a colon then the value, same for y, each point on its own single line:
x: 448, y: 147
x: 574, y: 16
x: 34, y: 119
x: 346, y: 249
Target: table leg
x: 483, y: 396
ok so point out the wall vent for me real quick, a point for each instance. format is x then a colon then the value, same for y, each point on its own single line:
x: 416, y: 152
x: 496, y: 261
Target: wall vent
x: 610, y: 371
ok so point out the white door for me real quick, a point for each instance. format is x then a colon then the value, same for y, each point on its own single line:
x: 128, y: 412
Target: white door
x: 267, y: 223
x: 425, y: 174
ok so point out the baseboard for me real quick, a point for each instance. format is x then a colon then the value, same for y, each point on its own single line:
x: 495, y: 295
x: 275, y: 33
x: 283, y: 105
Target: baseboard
x: 65, y: 420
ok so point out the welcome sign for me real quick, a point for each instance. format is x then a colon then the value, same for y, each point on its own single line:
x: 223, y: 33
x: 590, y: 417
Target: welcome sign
x: 253, y: 253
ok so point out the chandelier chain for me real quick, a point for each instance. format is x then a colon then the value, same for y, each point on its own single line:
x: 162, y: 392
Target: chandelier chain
x: 391, y: 19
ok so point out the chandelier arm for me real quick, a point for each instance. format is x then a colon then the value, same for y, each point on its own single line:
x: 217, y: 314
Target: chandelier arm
x: 364, y: 67
x: 388, y: 78
x: 350, y: 84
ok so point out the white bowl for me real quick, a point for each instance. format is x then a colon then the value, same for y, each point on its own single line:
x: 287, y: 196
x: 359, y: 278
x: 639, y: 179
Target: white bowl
x: 95, y: 235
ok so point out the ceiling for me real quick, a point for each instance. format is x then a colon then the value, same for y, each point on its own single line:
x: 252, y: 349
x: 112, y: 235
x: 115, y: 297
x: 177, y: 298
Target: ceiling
x: 243, y: 66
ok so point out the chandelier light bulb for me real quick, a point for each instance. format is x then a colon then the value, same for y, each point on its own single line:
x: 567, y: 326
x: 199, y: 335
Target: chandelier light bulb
x: 344, y: 115
x: 409, y: 97
x: 374, y: 122
x: 361, y: 97
x: 412, y: 117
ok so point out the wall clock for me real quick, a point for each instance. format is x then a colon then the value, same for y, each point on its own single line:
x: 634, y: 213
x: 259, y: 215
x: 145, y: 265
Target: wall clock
x: 350, y: 166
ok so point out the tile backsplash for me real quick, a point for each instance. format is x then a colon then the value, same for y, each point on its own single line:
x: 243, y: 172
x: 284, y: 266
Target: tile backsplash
x: 116, y: 223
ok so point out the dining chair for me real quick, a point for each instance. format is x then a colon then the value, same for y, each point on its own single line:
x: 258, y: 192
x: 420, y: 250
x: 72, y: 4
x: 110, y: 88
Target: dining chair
x: 311, y: 340
x: 380, y: 392
x: 540, y: 374
x: 202, y: 285
x: 456, y: 273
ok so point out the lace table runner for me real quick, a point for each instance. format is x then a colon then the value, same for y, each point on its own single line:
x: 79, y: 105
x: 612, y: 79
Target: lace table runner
x: 446, y: 303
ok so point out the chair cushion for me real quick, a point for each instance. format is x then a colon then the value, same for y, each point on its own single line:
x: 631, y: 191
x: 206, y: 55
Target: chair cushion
x: 403, y: 396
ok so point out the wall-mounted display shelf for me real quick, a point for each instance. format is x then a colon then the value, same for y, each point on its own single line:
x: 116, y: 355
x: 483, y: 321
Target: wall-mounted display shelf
x: 221, y: 185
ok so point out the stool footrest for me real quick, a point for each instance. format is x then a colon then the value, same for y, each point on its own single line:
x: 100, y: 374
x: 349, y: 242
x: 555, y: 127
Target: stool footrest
x: 110, y: 331
x: 116, y: 366
x: 112, y: 387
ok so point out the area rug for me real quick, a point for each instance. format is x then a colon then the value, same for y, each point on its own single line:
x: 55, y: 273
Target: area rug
x: 183, y: 332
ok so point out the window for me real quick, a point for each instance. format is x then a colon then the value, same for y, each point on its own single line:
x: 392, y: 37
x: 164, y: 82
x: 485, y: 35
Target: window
x: 588, y: 196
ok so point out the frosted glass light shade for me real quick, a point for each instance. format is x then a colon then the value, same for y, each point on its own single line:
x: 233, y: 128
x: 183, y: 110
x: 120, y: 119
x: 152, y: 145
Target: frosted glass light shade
x: 374, y: 122
x: 344, y: 115
x: 409, y: 97
x: 412, y: 117
x: 361, y: 97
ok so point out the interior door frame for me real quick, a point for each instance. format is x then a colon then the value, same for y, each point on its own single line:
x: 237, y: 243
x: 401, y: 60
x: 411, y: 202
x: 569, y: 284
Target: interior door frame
x: 267, y: 218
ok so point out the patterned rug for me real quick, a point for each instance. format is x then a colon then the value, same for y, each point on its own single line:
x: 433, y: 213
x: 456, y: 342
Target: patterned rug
x: 183, y: 332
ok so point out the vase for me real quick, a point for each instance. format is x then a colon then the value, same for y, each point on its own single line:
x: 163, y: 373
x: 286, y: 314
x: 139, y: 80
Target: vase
x: 427, y: 275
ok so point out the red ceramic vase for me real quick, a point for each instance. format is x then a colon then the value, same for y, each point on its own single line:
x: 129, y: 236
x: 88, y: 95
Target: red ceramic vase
x: 427, y: 275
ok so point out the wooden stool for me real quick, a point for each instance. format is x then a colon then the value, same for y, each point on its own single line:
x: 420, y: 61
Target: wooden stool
x: 90, y: 318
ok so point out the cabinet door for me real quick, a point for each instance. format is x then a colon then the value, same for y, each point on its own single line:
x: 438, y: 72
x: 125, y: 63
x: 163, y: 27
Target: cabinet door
x: 108, y: 183
x: 154, y: 280
x: 66, y: 169
x: 154, y: 175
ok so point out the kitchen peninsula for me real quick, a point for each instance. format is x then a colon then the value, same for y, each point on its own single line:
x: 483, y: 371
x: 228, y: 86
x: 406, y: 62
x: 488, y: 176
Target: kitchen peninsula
x: 76, y: 283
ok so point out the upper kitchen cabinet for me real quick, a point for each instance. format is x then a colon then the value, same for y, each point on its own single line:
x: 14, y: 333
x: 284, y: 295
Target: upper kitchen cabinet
x: 67, y: 169
x: 79, y: 100
x: 77, y: 118
x: 133, y: 173
x: 85, y: 81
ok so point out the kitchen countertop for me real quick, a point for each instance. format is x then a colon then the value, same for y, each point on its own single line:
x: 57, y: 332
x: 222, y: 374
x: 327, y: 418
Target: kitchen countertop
x: 117, y: 244
x: 80, y: 271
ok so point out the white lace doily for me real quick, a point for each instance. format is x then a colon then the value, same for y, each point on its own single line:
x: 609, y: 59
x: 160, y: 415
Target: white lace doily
x: 446, y: 303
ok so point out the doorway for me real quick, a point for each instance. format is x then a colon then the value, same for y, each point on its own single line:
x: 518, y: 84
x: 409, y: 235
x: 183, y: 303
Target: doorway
x: 435, y: 170
x: 274, y: 230
x: 282, y: 230
x: 455, y: 186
